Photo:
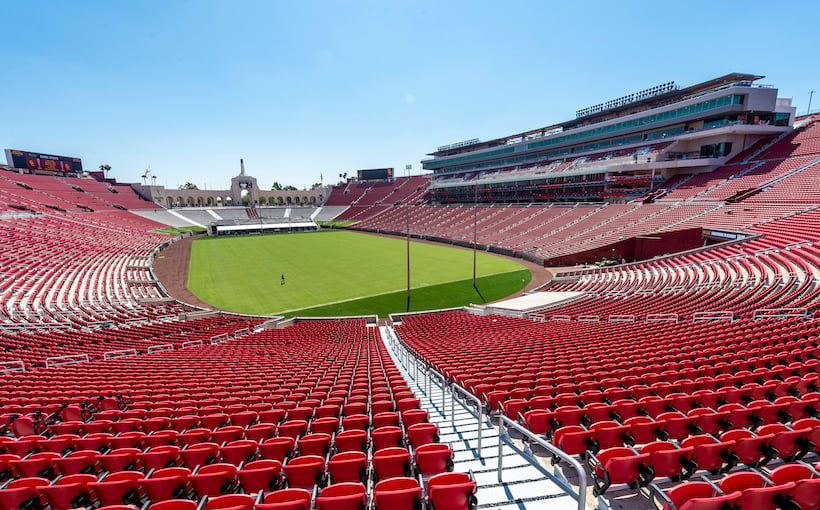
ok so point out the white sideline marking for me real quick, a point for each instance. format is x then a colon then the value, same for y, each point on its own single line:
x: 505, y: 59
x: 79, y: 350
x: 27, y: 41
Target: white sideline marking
x: 183, y: 218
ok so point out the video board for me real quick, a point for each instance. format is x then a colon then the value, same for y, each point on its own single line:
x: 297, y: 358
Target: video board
x: 375, y: 174
x: 43, y: 162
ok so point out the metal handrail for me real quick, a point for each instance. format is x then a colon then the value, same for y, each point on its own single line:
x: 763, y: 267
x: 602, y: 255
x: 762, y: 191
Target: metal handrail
x: 160, y: 348
x: 119, y: 354
x: 455, y: 388
x: 768, y: 313
x: 219, y: 338
x: 67, y: 360
x: 717, y: 315
x: 443, y: 386
x: 404, y: 353
x: 12, y: 365
x: 580, y: 496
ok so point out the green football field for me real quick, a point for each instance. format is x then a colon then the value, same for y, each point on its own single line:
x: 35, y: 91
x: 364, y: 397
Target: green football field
x: 331, y: 273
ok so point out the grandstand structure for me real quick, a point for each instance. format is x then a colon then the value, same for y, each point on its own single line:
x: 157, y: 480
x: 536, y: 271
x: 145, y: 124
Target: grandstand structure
x: 686, y: 378
x: 619, y: 151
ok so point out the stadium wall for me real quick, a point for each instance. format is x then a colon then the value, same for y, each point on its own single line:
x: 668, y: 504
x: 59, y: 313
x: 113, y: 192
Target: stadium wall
x: 636, y: 248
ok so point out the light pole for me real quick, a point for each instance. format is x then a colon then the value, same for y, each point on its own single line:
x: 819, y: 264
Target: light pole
x: 475, y: 232
x: 408, y: 256
x: 811, y: 93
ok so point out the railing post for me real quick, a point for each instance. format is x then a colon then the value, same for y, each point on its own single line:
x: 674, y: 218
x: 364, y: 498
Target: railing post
x: 453, y: 407
x: 580, y: 495
x: 410, y: 362
x: 480, y: 423
x: 479, y: 408
x: 501, y: 432
x: 443, y: 402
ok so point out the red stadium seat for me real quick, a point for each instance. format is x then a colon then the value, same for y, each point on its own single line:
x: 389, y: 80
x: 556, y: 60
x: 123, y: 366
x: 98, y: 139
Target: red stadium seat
x: 348, y: 467
x: 166, y: 484
x: 391, y: 462
x: 314, y: 444
x: 387, y: 437
x: 277, y: 448
x: 398, y: 493
x: 452, y: 491
x: 118, y: 488
x: 22, y: 491
x: 342, y: 496
x: 422, y: 433
x: 286, y: 499
x: 231, y: 502
x: 351, y: 441
x: 433, y: 458
x: 305, y: 471
x: 698, y: 496
x: 69, y: 491
x: 214, y: 479
x: 260, y: 475
x: 174, y: 504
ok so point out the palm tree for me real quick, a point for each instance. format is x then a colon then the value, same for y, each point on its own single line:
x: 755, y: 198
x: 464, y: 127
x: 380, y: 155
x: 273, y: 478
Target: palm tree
x: 105, y: 169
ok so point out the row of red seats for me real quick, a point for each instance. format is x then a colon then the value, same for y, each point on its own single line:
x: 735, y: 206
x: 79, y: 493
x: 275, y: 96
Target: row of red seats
x: 446, y: 491
x: 667, y: 459
x: 793, y: 486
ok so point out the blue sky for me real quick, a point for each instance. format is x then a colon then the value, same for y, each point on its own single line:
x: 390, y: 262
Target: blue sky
x: 300, y: 89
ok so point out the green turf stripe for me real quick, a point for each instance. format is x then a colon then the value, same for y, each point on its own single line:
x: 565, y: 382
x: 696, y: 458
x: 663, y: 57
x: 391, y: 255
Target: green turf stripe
x: 432, y: 297
x: 403, y: 291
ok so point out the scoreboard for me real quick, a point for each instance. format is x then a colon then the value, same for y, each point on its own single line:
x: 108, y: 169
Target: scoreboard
x: 376, y: 174
x: 43, y: 162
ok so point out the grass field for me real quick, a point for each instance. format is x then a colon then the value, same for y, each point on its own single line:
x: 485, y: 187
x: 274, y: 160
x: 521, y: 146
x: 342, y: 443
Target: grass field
x: 342, y: 273
x: 175, y: 231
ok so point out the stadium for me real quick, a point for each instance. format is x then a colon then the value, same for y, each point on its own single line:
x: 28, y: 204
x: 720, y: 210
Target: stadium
x: 616, y: 311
